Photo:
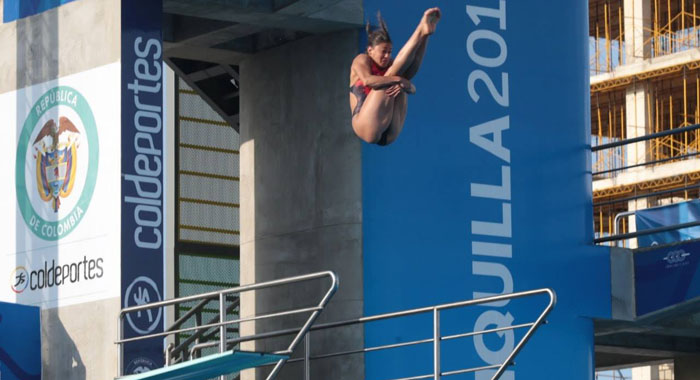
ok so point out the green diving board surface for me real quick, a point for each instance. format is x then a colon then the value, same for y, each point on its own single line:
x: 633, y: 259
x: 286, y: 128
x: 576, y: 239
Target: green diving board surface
x: 209, y: 366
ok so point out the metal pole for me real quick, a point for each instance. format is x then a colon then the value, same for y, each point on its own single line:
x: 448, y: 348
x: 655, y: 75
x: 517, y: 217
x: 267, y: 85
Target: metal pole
x: 647, y: 232
x: 509, y: 360
x: 168, y: 350
x: 307, y: 356
x: 120, y: 359
x: 645, y: 137
x: 197, y: 323
x: 436, y: 344
x: 616, y: 230
x: 222, y: 329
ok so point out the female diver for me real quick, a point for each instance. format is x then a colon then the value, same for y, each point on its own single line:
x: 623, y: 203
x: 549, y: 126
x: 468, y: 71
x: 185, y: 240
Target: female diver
x: 378, y: 84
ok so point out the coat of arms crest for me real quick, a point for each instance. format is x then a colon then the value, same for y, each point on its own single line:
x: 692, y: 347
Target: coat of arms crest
x: 55, y: 151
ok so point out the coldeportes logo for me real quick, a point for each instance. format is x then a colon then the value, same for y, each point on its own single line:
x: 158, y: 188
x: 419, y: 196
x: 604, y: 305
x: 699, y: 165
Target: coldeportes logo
x: 141, y: 291
x: 19, y: 279
x: 52, y: 274
x: 57, y: 157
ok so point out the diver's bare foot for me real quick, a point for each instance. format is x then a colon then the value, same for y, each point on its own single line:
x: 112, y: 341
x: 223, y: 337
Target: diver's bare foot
x: 429, y: 21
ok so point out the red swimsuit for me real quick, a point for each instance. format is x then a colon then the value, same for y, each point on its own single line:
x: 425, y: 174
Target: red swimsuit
x: 361, y: 91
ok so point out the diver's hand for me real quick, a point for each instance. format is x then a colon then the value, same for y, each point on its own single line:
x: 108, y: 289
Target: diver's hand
x: 407, y: 86
x: 394, y: 90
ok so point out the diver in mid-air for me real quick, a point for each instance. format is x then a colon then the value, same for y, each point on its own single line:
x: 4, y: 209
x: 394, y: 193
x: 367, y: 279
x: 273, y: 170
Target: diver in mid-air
x: 379, y: 84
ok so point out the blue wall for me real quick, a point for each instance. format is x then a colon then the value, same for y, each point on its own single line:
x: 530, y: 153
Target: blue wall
x: 666, y: 276
x: 16, y: 9
x: 20, y: 342
x: 421, y: 212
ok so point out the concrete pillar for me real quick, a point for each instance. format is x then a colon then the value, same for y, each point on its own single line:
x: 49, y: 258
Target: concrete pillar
x: 634, y: 205
x: 636, y: 30
x: 686, y: 367
x: 637, y: 116
x: 301, y: 205
x: 637, y: 24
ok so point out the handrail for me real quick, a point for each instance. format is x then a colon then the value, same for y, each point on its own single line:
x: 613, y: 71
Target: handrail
x: 180, y: 348
x: 650, y: 136
x: 650, y: 231
x: 437, y: 338
x: 646, y: 195
x: 189, y: 313
x: 616, y: 236
x: 647, y: 163
x: 221, y: 294
x: 616, y: 222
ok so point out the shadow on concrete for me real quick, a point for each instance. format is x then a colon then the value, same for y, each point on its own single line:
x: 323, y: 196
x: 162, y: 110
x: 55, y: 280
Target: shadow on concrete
x: 64, y: 360
x: 37, y: 61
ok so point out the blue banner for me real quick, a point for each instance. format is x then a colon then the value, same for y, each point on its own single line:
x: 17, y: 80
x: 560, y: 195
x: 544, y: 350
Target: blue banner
x: 142, y: 180
x: 17, y: 9
x: 666, y: 276
x: 670, y: 215
x: 20, y: 342
x: 487, y: 190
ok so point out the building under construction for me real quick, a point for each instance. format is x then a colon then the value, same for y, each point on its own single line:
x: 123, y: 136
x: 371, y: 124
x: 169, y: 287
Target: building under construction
x: 645, y: 84
x: 645, y: 137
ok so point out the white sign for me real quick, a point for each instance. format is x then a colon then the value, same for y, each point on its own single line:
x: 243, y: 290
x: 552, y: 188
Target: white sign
x: 61, y: 192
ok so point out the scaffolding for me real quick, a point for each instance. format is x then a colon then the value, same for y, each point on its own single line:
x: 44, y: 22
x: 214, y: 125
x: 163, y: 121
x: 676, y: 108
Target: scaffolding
x: 661, y: 102
x: 606, y: 35
x: 608, y: 125
x: 672, y: 101
x: 674, y: 27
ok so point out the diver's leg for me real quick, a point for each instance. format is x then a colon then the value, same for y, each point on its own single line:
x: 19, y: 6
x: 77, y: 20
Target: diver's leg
x: 415, y: 46
x: 374, y: 117
x: 406, y: 55
x: 412, y: 70
x: 398, y: 119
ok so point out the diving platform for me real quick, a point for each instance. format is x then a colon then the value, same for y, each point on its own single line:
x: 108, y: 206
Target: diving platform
x: 209, y: 366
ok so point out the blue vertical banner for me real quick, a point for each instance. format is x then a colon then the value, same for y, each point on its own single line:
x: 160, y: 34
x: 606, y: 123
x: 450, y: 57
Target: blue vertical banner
x: 487, y: 190
x: 20, y: 342
x: 142, y: 180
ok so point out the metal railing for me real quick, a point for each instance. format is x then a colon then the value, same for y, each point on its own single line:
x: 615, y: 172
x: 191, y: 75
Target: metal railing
x: 615, y: 167
x: 618, y: 238
x: 614, y: 231
x: 650, y: 231
x: 435, y: 340
x: 177, y: 352
x: 298, y: 333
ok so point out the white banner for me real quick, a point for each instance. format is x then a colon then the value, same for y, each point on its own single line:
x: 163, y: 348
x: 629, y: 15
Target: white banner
x: 61, y: 191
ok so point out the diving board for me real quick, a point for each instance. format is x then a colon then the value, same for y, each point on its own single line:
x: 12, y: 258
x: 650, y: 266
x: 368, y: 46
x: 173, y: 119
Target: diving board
x: 209, y: 367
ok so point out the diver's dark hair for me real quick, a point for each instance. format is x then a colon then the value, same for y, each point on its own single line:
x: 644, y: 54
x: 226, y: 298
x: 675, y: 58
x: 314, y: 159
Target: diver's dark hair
x: 378, y: 35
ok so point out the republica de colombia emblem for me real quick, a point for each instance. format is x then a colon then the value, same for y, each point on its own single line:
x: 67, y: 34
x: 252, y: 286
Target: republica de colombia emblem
x: 57, y: 159
x: 56, y: 150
